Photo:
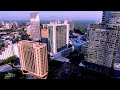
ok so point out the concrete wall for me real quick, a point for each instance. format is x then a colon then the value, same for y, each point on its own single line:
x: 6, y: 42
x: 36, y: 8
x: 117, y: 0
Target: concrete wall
x: 63, y: 53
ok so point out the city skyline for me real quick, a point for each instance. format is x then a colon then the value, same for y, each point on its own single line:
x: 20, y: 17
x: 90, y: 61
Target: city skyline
x: 52, y: 15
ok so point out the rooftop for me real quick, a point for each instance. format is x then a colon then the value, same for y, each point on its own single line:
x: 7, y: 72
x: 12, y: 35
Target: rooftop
x: 77, y: 41
x: 62, y: 59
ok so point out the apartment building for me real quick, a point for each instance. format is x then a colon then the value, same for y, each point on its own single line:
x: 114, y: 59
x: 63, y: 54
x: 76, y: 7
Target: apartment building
x: 103, y: 46
x: 33, y: 58
x: 111, y: 19
x: 58, y: 37
x: 71, y: 27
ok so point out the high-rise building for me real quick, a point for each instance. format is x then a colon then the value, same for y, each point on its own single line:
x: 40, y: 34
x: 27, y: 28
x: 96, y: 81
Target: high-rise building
x: 103, y: 47
x: 58, y: 37
x: 11, y: 25
x: 71, y: 24
x: 15, y: 25
x: 2, y: 23
x: 33, y: 58
x: 104, y: 43
x: 71, y: 28
x: 35, y: 27
x: 7, y: 25
x: 111, y: 19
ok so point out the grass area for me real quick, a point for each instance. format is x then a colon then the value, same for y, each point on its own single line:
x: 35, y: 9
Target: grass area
x: 6, y: 77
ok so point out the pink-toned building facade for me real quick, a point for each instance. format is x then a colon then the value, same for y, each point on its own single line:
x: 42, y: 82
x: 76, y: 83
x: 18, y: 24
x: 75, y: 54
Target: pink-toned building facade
x: 44, y: 33
x: 33, y: 58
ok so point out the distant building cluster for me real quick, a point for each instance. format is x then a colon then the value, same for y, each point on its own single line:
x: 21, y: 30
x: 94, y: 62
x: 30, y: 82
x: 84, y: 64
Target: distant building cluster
x: 11, y: 25
x: 46, y: 40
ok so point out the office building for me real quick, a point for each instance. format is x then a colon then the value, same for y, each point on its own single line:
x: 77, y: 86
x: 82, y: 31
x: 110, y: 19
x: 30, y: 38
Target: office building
x: 58, y: 37
x: 35, y: 27
x: 33, y: 58
x: 111, y: 19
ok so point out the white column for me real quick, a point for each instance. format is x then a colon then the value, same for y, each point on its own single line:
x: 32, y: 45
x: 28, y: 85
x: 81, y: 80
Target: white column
x: 67, y: 36
x: 54, y: 39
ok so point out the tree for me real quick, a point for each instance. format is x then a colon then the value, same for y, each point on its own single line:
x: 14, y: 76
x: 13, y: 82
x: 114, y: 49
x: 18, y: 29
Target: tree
x: 2, y: 75
x: 10, y: 60
x: 80, y: 28
x: 2, y: 44
x: 6, y: 77
x: 76, y: 57
x: 27, y: 36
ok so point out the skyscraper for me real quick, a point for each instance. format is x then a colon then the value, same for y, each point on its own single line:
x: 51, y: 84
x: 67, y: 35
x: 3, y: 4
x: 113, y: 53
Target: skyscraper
x: 104, y: 42
x: 111, y: 19
x: 35, y: 27
x: 102, y: 45
x: 58, y: 37
x: 33, y: 58
x: 7, y: 25
x: 71, y: 24
x: 71, y: 28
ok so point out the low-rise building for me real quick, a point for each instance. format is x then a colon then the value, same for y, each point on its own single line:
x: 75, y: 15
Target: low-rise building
x: 5, y: 68
x: 9, y: 50
x: 62, y: 59
x: 63, y: 53
x: 77, y: 43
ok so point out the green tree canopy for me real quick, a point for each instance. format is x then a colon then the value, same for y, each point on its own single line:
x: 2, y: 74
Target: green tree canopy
x: 2, y: 75
x: 10, y: 60
x: 2, y: 44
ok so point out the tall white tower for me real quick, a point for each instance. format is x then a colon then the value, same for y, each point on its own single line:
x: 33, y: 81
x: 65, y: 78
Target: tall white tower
x: 58, y: 37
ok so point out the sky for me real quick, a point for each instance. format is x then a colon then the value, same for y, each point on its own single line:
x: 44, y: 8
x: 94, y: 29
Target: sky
x: 54, y: 15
